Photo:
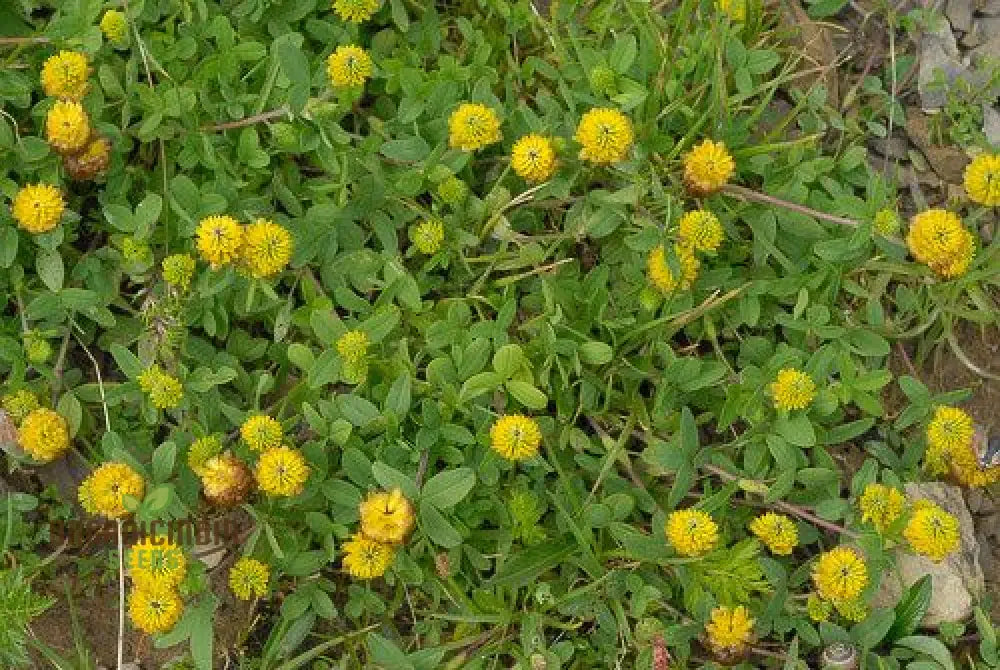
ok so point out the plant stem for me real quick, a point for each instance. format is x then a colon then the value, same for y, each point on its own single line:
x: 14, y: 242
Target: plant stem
x: 248, y: 121
x: 121, y: 598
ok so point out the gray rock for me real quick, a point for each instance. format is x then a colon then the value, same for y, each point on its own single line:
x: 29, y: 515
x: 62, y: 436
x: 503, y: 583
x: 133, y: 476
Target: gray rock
x: 988, y: 49
x: 959, y: 13
x: 956, y: 582
x: 989, y: 8
x: 991, y: 124
x: 940, y: 65
x: 893, y: 147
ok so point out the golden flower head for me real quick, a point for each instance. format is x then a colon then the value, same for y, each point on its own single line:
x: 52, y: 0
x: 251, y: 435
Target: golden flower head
x: 818, y: 609
x: 453, y: 191
x: 248, y: 578
x: 663, y: 278
x: 44, y: 435
x: 691, y: 532
x: 165, y: 391
x: 938, y: 239
x: 931, y: 531
x: 226, y: 480
x: 702, y: 230
x: 603, y: 80
x: 736, y: 10
x: 154, y: 609
x: 65, y: 75
x: 178, y: 269
x: 605, y: 136
x: 473, y: 126
x: 262, y: 432
x: 114, y: 26
x: 776, y: 531
x: 365, y: 558
x: 515, y: 437
x: 386, y: 517
x: 853, y: 610
x: 38, y: 207
x: 792, y: 389
x: 729, y: 629
x: 282, y: 471
x: 348, y: 66
x: 220, y: 240
x: 840, y: 574
x: 886, y: 221
x: 355, y: 11
x: 91, y: 161
x: 707, y: 168
x: 533, y: 158
x: 201, y: 450
x: 353, y: 345
x: 881, y: 505
x: 962, y: 461
x: 950, y: 428
x: 103, y: 491
x: 267, y: 248
x: 427, y: 236
x: 67, y: 127
x: 156, y: 560
x: 982, y: 180
x: 19, y: 404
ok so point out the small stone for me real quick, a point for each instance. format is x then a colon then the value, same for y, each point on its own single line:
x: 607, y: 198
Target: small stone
x: 959, y: 13
x: 974, y: 498
x: 990, y: 49
x: 989, y: 8
x: 991, y: 124
x: 894, y: 147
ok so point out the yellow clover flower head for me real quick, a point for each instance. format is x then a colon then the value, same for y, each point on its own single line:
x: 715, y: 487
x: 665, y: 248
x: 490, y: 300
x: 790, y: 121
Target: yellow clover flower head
x: 427, y: 236
x: 663, y: 278
x: 886, y: 221
x: 793, y: 389
x: 64, y: 75
x: 950, y: 445
x: 938, y: 239
x: 19, y: 404
x: 365, y: 558
x: 248, y: 578
x: 729, y: 629
x: 818, y: 609
x: 702, y: 230
x: 92, y: 160
x: 103, y: 491
x: 178, y: 269
x: 353, y: 345
x: 282, y: 471
x: 386, y: 517
x: 355, y: 11
x: 736, y: 10
x: 38, y: 207
x: 707, y: 168
x: 982, y: 180
x: 156, y: 560
x: 853, y: 610
x: 776, y: 531
x: 114, y: 26
x: 533, y: 158
x: 931, y: 531
x: 220, y: 240
x: 67, y: 127
x: 840, y: 574
x: 605, y: 136
x: 691, y: 532
x: 881, y: 505
x: 453, y: 191
x: 349, y: 66
x: 226, y: 480
x: 155, y: 608
x: 201, y: 450
x: 262, y: 432
x: 267, y: 248
x: 515, y: 437
x: 44, y: 435
x: 164, y: 390
x: 473, y: 126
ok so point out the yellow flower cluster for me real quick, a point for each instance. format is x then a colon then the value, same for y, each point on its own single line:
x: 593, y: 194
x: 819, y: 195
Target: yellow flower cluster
x: 248, y: 578
x: 93, y: 159
x: 982, y: 180
x: 355, y: 11
x: 178, y: 270
x: 881, y: 505
x: 155, y: 609
x: 792, y: 389
x: 156, y: 560
x: 736, y: 10
x: 262, y: 248
x: 776, y: 531
x: 104, y: 490
x: 663, y: 278
x: 114, y: 26
x: 691, y: 532
x: 44, y: 435
x: 533, y: 158
x: 931, y: 531
x: 348, y: 66
x: 427, y: 236
x: 353, y: 349
x: 473, y: 126
x: 37, y: 208
x: 282, y: 472
x: 19, y: 404
x: 701, y: 230
x: 515, y: 437
x: 707, y: 168
x: 951, y: 449
x: 729, y: 630
x: 65, y: 74
x: 262, y: 432
x: 840, y: 575
x: 220, y: 239
x: 67, y: 127
x: 938, y: 239
x: 201, y: 450
x: 605, y: 136
x: 386, y: 521
x: 165, y: 391
x: 225, y: 480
